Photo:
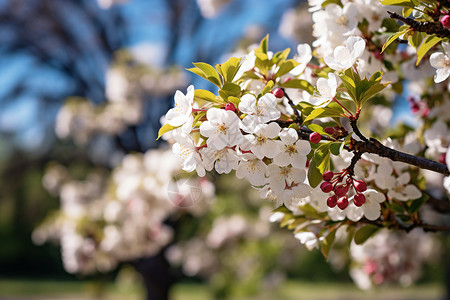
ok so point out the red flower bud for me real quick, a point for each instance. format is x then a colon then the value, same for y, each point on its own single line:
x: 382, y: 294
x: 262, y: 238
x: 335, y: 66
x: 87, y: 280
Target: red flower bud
x: 332, y: 201
x: 359, y: 199
x: 445, y: 21
x: 327, y: 175
x: 326, y: 187
x: 329, y: 130
x: 342, y: 203
x: 279, y: 93
x: 340, y: 190
x: 360, y: 186
x: 315, y: 137
x: 230, y: 106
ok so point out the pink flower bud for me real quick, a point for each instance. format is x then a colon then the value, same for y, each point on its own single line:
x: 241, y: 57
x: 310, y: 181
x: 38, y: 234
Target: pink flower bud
x: 315, y: 137
x: 360, y: 186
x: 445, y: 21
x: 342, y: 203
x: 359, y: 199
x: 332, y: 201
x: 326, y: 187
x: 230, y: 106
x: 327, y: 175
x: 279, y: 93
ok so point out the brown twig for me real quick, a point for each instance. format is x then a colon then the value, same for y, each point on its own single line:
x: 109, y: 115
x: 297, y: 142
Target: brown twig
x: 435, y: 28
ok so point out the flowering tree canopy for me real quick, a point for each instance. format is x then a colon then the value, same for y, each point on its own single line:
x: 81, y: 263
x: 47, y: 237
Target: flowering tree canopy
x: 306, y: 132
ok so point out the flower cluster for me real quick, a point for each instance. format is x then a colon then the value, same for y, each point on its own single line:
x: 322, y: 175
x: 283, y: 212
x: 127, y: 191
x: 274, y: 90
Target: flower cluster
x: 127, y: 85
x: 103, y: 222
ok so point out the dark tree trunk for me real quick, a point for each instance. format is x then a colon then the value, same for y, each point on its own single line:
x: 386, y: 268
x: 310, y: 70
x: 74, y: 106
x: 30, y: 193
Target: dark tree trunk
x: 157, y: 276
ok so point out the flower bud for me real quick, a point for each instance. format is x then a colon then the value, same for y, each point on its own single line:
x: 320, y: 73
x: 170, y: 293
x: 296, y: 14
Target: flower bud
x: 340, y: 190
x: 279, y: 93
x: 329, y: 130
x: 360, y: 186
x: 326, y: 187
x: 342, y: 203
x: 327, y: 175
x: 359, y: 199
x: 445, y: 21
x: 230, y: 106
x: 332, y: 201
x: 315, y: 137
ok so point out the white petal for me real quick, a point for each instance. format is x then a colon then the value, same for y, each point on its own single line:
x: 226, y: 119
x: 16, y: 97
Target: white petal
x: 412, y: 191
x: 247, y: 104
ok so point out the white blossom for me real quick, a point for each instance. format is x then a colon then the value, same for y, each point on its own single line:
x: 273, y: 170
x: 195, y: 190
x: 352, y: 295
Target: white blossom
x: 293, y: 150
x: 344, y: 57
x: 262, y: 143
x: 222, y: 128
x: 326, y: 90
x: 258, y: 111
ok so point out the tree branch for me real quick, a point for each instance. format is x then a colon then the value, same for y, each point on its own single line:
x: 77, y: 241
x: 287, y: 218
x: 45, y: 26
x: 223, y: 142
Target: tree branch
x: 435, y: 28
x: 375, y: 147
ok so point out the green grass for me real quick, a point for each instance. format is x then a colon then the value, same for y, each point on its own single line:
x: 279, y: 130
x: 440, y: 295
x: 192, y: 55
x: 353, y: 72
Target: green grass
x: 291, y: 290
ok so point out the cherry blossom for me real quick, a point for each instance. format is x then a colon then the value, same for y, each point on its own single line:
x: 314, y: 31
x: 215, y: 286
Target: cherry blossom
x: 253, y: 169
x: 441, y: 62
x: 345, y: 57
x: 258, y: 111
x: 185, y: 149
x: 293, y: 150
x: 262, y: 143
x: 326, y: 90
x: 182, y: 112
x: 222, y: 128
x: 223, y: 160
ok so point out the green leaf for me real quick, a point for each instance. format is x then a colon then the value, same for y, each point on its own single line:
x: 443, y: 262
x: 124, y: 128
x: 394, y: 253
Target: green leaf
x: 364, y: 233
x: 417, y: 204
x: 350, y: 86
x: 406, y: 11
x: 393, y: 38
x: 335, y: 148
x: 206, y: 71
x: 199, y: 115
x: 314, y: 175
x: 268, y: 88
x: 429, y: 43
x: 372, y: 91
x: 263, y: 46
x: 281, y: 56
x: 298, y: 84
x: 205, y: 95
x: 231, y: 89
x: 316, y: 128
x: 321, y: 151
x: 407, y: 3
x: 209, y: 72
x: 230, y: 68
x: 314, y: 114
x: 166, y: 128
x: 416, y: 39
x: 285, y: 67
x: 328, y: 242
x: 282, y: 209
x: 234, y: 100
x: 325, y: 163
x: 309, y: 211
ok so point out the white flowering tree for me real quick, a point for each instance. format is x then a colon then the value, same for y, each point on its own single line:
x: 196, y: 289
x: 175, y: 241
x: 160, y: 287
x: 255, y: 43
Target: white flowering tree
x: 313, y: 134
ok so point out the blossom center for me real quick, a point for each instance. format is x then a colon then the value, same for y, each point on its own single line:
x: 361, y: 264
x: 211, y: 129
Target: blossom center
x: 291, y: 149
x: 261, y: 140
x: 342, y: 20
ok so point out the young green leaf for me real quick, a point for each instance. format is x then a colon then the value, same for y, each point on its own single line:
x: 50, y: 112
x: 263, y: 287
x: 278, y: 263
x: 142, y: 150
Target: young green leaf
x: 328, y: 242
x: 230, y: 68
x: 205, y: 95
x: 314, y: 175
x: 393, y: 38
x: 298, y: 84
x: 364, y: 233
x: 164, y: 129
x: 429, y: 43
x: 268, y: 88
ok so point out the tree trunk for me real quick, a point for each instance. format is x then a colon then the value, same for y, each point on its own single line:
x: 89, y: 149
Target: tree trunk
x: 157, y: 276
